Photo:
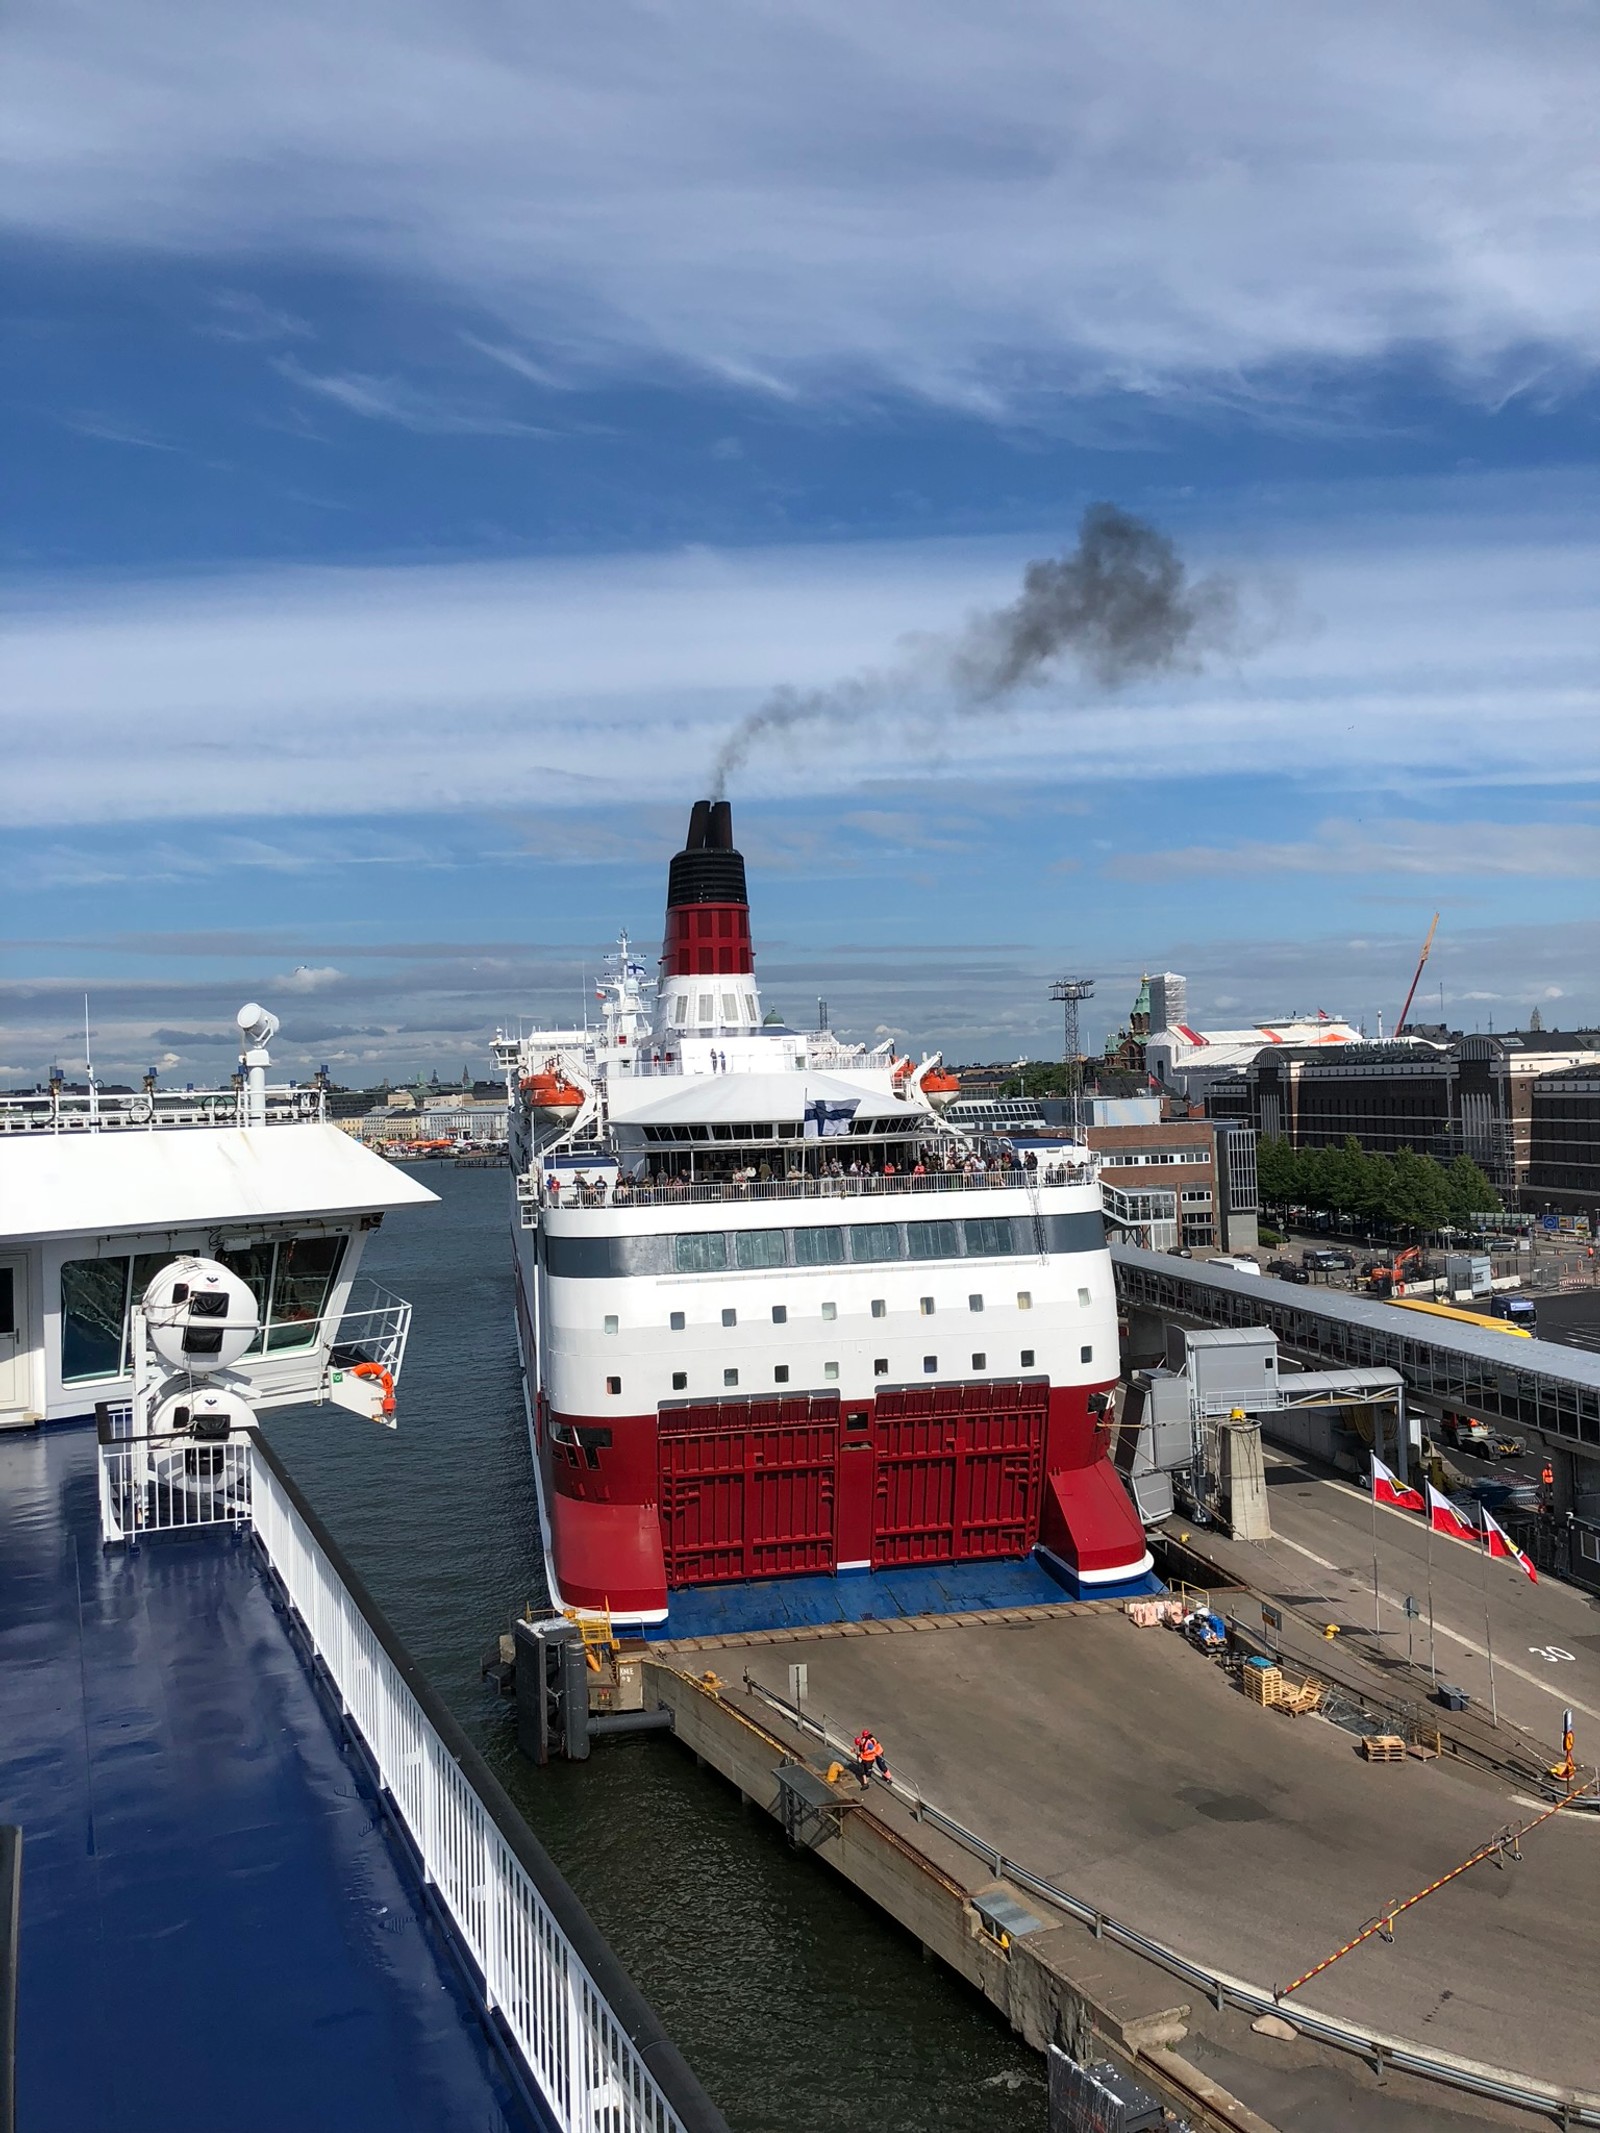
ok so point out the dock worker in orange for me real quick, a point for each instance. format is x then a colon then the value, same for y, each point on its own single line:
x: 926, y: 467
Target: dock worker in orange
x: 1547, y: 1474
x: 870, y: 1759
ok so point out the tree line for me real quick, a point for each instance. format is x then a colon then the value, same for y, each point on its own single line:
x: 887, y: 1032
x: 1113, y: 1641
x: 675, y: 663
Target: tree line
x: 1404, y: 1190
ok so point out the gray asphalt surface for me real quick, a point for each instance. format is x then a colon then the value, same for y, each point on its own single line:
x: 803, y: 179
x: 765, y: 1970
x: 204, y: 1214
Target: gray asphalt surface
x: 1128, y: 1769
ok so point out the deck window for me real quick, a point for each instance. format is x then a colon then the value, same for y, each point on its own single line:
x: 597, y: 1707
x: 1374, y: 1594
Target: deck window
x: 819, y: 1247
x: 300, y: 1284
x: 875, y: 1240
x: 680, y: 1381
x: 933, y: 1240
x: 94, y: 1313
x: 701, y: 1252
x: 759, y: 1247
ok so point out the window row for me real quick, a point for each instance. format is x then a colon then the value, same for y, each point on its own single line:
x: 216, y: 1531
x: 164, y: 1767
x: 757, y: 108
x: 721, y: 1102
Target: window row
x: 290, y: 1282
x: 830, y: 1371
x: 834, y: 1244
x: 677, y: 1321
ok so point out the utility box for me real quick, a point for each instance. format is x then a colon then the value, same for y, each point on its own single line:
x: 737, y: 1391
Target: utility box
x: 1471, y: 1273
x: 1233, y: 1364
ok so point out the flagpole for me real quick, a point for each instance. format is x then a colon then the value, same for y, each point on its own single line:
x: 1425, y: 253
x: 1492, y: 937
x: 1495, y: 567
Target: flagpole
x: 1433, y: 1663
x: 1488, y: 1640
x: 1377, y: 1617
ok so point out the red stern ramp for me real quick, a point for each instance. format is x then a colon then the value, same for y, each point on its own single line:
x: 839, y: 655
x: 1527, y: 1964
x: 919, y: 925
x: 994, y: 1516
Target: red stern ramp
x: 607, y: 1557
x: 1091, y: 1528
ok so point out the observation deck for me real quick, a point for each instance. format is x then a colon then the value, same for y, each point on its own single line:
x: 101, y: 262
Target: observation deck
x: 266, y: 1883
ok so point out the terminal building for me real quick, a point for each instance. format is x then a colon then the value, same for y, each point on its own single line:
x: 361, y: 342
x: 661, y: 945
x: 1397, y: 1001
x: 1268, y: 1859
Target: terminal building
x: 1524, y: 1106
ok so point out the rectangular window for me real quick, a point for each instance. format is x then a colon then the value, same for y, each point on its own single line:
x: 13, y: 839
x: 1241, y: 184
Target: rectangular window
x: 1027, y: 1358
x: 730, y: 1377
x: 875, y: 1240
x: 675, y: 1321
x: 830, y: 1371
x: 880, y: 1367
x: 933, y: 1240
x: 830, y: 1310
x: 980, y: 1361
x: 926, y: 1304
x: 94, y: 1308
x: 730, y: 1318
x: 680, y: 1381
x: 819, y: 1247
x: 701, y: 1252
x: 986, y: 1238
x: 680, y: 1011
x: 780, y: 1373
x: 759, y: 1247
x: 1589, y: 1545
x: 301, y: 1280
x: 1024, y: 1299
x: 974, y: 1303
x: 704, y: 1005
x: 1083, y: 1298
x: 780, y: 1314
x: 1086, y: 1355
x: 614, y: 1387
x: 610, y: 1322
x: 879, y: 1308
x: 253, y: 1265
x: 930, y: 1365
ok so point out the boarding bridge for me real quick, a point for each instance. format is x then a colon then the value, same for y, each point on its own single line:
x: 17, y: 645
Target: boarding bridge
x: 1195, y: 1423
x: 1546, y: 1393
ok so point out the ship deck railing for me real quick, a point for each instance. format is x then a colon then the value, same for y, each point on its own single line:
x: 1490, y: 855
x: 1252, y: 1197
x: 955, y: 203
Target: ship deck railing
x: 605, y: 1190
x: 62, y: 1110
x: 573, y: 2023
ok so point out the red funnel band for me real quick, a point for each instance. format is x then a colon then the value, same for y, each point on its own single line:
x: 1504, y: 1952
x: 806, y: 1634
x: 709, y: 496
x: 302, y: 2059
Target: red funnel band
x: 707, y: 940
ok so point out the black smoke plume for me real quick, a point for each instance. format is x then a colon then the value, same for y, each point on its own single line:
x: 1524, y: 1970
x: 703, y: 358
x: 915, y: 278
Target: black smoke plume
x: 1120, y: 606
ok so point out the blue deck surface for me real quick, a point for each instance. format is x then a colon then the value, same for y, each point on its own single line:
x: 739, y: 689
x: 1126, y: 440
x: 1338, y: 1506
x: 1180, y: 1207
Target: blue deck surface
x: 870, y: 1596
x: 218, y: 1928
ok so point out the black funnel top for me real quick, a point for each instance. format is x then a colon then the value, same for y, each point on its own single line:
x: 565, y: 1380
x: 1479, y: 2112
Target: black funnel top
x: 708, y: 870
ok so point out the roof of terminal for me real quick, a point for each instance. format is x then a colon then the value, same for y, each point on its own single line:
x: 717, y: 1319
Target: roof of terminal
x: 1576, y: 1366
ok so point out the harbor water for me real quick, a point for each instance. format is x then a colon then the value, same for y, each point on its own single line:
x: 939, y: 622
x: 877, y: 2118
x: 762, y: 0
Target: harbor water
x: 800, y: 2007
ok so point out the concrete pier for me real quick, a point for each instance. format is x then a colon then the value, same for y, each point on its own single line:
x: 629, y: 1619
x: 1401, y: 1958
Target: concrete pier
x: 1117, y: 1764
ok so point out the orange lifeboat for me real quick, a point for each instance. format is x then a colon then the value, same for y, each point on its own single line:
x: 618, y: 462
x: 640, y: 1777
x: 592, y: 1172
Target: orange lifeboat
x: 939, y: 1085
x: 552, y: 1093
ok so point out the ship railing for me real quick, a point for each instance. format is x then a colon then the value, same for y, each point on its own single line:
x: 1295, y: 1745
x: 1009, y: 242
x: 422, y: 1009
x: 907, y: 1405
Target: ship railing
x: 590, y: 2046
x: 59, y: 1110
x: 167, y: 1481
x: 587, y: 2044
x: 373, y: 1327
x: 574, y: 1190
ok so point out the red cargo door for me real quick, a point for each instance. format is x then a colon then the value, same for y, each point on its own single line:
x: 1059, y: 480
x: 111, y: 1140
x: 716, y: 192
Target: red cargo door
x: 747, y: 1489
x: 960, y: 1471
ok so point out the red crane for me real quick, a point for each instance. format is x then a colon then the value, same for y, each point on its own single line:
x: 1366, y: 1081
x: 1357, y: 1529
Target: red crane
x: 1417, y: 978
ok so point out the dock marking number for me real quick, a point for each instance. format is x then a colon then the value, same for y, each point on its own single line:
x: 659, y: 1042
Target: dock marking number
x: 1550, y: 1652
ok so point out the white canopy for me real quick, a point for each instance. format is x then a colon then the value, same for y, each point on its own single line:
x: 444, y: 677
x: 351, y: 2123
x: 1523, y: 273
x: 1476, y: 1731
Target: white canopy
x: 85, y: 1184
x: 748, y: 1099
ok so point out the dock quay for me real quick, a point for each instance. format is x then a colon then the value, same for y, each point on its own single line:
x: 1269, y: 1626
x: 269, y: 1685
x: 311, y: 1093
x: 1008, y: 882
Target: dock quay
x: 1097, y: 1830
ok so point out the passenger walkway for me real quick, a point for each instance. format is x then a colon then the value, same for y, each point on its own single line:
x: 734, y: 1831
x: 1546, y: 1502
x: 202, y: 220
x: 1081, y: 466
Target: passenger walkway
x: 217, y: 1928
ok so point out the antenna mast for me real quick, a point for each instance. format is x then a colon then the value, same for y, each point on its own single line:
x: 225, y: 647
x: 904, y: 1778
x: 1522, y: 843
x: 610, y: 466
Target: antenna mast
x: 1071, y: 993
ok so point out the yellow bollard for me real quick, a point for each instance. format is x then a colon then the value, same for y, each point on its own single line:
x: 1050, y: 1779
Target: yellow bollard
x: 1330, y: 1630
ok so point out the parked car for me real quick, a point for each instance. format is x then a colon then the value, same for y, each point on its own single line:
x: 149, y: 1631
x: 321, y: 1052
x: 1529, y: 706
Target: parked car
x: 1466, y: 1432
x: 1288, y: 1270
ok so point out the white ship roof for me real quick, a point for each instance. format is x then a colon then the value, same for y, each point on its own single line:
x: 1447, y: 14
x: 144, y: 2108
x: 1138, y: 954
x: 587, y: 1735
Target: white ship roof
x: 738, y: 1099
x: 95, y: 1184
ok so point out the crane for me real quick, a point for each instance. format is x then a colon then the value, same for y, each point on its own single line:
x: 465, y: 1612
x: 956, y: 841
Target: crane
x: 1417, y: 978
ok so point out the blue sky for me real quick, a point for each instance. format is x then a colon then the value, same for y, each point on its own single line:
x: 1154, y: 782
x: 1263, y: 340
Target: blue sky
x: 431, y: 428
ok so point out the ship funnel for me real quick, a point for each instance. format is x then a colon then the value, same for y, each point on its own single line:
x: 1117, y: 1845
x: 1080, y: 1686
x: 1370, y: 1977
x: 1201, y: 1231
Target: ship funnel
x: 708, y: 930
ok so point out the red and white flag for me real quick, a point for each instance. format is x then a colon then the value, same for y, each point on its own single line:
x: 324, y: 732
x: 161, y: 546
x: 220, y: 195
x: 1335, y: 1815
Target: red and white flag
x: 1501, y: 1543
x: 1445, y: 1518
x: 1389, y: 1488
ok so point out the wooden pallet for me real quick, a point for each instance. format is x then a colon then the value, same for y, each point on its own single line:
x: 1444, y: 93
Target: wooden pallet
x: 1263, y: 1684
x: 1305, y: 1697
x: 1383, y: 1747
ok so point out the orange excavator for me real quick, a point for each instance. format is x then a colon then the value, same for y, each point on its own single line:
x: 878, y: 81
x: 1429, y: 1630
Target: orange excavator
x: 1390, y: 1280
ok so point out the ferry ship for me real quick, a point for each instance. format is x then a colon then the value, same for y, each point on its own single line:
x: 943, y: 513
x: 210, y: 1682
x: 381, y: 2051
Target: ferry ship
x: 780, y: 1318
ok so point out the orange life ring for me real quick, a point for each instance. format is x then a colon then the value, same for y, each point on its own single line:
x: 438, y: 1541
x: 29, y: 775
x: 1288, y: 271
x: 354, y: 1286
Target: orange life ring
x: 384, y: 1378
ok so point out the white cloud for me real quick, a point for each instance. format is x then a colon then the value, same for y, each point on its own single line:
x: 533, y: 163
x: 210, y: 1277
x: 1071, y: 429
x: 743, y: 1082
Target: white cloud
x: 973, y: 203
x: 394, y: 400
x: 1384, y: 848
x: 307, y: 977
x: 1425, y: 651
